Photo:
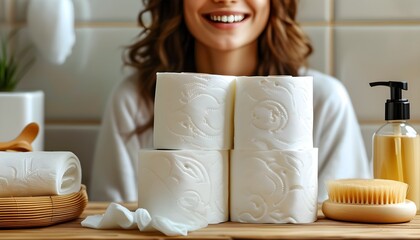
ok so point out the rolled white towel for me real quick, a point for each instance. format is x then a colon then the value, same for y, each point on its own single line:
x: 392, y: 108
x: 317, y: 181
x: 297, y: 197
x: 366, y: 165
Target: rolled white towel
x: 39, y: 173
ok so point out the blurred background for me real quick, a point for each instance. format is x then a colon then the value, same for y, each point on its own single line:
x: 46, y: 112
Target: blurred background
x: 357, y: 41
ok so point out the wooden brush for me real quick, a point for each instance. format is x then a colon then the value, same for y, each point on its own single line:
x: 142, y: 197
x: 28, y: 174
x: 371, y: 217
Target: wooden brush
x: 368, y: 201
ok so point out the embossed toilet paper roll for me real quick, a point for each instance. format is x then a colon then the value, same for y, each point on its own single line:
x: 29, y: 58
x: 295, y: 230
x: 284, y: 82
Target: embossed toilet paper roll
x: 185, y: 186
x: 193, y: 111
x: 25, y: 174
x: 274, y: 186
x: 274, y: 112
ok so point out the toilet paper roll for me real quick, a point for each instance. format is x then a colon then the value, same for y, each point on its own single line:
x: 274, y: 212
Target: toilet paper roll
x: 274, y: 186
x: 193, y: 111
x: 274, y: 112
x: 25, y: 174
x: 184, y: 186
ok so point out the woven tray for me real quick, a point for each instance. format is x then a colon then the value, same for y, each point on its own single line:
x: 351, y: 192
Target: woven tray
x: 18, y: 212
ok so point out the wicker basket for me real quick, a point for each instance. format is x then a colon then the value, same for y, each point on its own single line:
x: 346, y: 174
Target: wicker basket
x: 19, y: 212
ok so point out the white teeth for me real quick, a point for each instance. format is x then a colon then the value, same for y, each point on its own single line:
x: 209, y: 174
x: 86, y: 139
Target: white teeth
x: 227, y: 18
x: 238, y: 18
x: 231, y: 19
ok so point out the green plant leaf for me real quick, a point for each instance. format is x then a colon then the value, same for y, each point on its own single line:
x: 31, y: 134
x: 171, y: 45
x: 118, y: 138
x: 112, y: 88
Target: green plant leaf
x: 14, y: 63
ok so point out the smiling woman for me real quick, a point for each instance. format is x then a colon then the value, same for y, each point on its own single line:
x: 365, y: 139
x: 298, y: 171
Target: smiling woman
x: 226, y: 37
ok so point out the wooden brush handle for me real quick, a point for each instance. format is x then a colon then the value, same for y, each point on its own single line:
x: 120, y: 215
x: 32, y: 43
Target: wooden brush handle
x: 374, y: 213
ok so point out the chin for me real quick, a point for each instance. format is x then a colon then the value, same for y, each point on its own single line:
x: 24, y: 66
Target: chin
x: 226, y: 46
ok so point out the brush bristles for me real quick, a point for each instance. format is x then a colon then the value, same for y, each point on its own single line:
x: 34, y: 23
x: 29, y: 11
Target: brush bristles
x: 367, y: 191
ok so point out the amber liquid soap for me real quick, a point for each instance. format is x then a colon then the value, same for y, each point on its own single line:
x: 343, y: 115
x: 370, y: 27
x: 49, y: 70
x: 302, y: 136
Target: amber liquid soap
x: 398, y: 158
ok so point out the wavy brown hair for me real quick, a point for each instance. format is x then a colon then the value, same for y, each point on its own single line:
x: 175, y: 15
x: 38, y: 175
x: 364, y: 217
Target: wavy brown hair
x: 166, y: 45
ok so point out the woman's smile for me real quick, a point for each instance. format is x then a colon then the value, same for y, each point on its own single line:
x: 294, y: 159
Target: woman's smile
x: 226, y: 25
x: 225, y: 19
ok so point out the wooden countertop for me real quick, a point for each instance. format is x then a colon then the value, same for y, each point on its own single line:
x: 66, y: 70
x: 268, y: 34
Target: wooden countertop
x: 321, y: 229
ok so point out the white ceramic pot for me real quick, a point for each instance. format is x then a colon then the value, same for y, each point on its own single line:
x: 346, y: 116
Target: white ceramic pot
x: 17, y: 109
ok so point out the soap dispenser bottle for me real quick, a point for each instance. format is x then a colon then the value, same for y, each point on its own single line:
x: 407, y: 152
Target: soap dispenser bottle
x: 396, y: 144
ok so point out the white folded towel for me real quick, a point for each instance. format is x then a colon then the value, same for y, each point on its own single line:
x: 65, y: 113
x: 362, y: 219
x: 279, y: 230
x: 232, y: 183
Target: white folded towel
x: 39, y: 173
x: 51, y: 27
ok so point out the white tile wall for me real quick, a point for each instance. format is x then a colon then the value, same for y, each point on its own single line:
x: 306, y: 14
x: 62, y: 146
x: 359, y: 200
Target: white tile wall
x: 86, y: 78
x: 95, y: 10
x: 320, y: 58
x: 100, y: 10
x: 314, y: 10
x: 378, y: 10
x: 357, y: 41
x: 365, y: 54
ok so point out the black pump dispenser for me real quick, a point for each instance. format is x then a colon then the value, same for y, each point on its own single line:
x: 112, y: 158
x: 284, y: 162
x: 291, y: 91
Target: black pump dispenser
x: 396, y: 108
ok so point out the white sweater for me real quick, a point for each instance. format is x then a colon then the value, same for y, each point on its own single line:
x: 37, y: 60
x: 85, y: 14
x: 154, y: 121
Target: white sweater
x: 336, y: 133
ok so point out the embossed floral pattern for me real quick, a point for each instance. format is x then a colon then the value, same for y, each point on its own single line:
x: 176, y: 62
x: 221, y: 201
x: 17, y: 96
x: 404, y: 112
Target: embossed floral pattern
x: 273, y: 113
x: 185, y: 186
x: 195, y: 111
x: 274, y: 186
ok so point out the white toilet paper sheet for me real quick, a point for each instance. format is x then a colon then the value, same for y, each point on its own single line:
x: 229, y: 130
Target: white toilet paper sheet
x: 193, y: 111
x: 39, y: 173
x: 184, y: 186
x: 274, y: 186
x: 117, y: 216
x: 274, y: 112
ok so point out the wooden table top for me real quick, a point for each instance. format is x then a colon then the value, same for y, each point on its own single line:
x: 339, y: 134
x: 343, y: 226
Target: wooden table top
x: 321, y: 229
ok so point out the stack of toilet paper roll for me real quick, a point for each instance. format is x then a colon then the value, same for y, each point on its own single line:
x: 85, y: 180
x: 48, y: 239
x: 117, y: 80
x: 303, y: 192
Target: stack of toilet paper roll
x: 262, y: 124
x: 186, y: 177
x: 274, y: 166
